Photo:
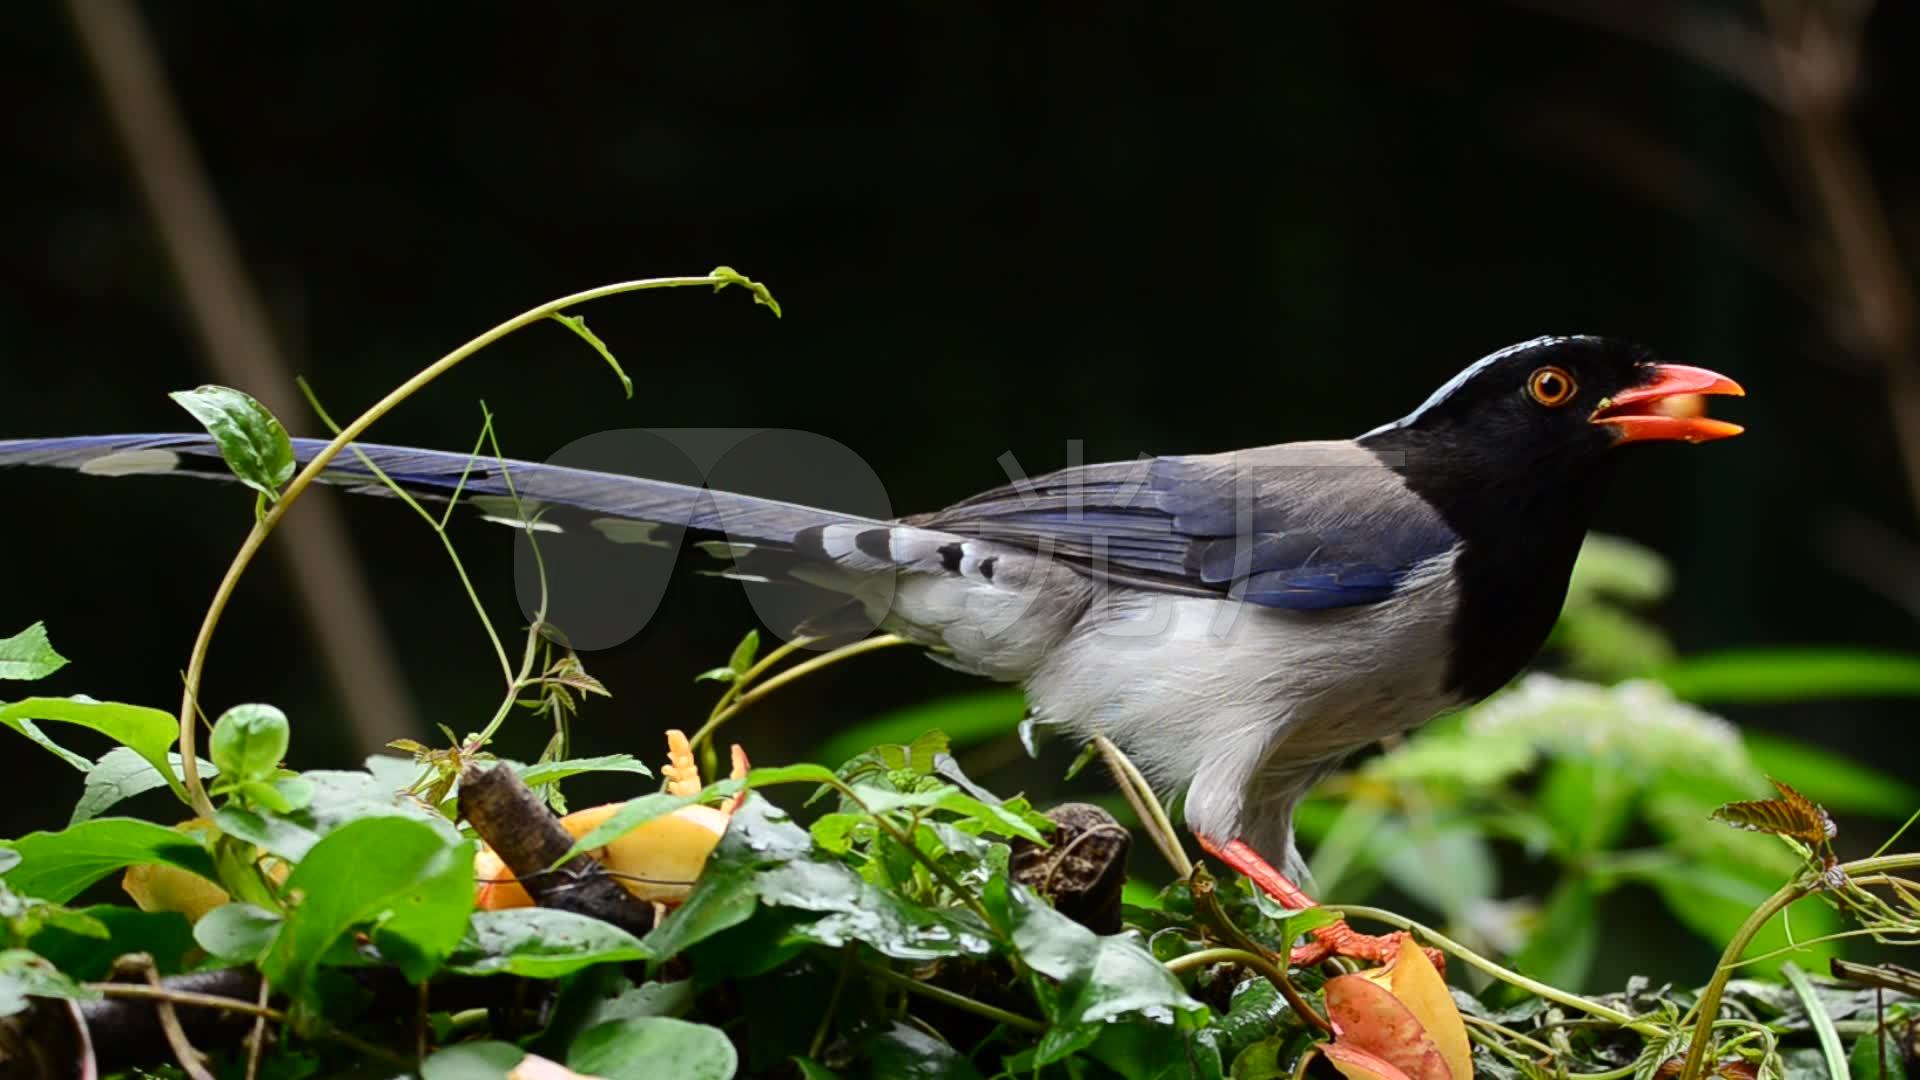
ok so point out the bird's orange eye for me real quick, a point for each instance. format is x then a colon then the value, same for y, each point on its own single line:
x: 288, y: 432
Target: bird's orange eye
x: 1551, y: 386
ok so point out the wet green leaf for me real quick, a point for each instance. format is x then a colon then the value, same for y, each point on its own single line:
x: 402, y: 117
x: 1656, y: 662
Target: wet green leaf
x: 997, y: 819
x: 253, y: 443
x: 552, y: 772
x: 540, y: 943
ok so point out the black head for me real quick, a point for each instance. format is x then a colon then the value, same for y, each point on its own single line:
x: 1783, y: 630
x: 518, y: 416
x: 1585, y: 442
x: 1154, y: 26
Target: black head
x: 1545, y: 414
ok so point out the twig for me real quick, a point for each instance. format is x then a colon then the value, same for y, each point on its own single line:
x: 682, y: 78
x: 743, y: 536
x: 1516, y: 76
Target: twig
x: 516, y: 823
x: 256, y: 1042
x: 190, y: 1060
x: 1146, y: 806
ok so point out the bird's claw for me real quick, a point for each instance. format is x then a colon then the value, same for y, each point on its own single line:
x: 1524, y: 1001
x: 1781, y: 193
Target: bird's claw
x: 1375, y: 950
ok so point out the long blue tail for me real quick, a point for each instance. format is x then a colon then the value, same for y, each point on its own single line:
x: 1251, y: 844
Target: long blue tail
x: 435, y: 474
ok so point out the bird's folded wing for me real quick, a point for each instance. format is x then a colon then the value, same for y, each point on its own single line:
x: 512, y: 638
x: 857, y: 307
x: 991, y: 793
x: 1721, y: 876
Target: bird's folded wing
x: 1303, y: 526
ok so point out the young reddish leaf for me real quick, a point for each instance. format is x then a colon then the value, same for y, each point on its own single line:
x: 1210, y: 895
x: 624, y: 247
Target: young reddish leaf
x: 1423, y: 990
x: 1357, y: 1064
x: 1367, y: 1017
x: 1792, y: 815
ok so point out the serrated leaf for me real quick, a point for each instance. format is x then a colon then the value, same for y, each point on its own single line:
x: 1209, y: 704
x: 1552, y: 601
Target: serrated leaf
x: 578, y: 325
x: 1791, y: 815
x: 996, y: 819
x: 727, y: 275
x: 29, y: 655
x: 120, y: 774
x: 253, y: 443
x: 552, y: 772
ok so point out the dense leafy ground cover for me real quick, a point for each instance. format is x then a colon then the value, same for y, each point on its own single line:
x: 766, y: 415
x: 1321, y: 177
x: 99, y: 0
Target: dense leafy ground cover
x: 880, y: 913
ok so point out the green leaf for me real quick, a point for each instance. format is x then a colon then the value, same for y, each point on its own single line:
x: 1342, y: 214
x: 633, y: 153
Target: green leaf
x: 147, y: 732
x: 854, y: 910
x: 998, y: 820
x: 966, y: 719
x: 56, y: 866
x: 654, y: 1046
x: 541, y: 943
x: 1099, y: 979
x: 718, y: 674
x: 552, y: 772
x: 631, y: 815
x: 903, y: 1052
x: 25, y: 975
x: 578, y: 325
x: 400, y: 875
x: 1840, y: 785
x: 271, y: 832
x: 472, y: 1061
x: 1766, y: 676
x: 1817, y: 1016
x: 1616, y: 568
x: 249, y: 741
x: 120, y: 774
x: 237, y: 933
x: 1873, y: 1049
x: 1408, y: 854
x: 82, y: 954
x: 253, y: 443
x: 744, y: 653
x: 727, y: 275
x: 29, y: 655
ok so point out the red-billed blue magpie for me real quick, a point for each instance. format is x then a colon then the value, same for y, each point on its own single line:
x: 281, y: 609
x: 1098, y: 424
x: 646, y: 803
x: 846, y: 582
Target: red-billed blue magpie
x: 1237, y: 622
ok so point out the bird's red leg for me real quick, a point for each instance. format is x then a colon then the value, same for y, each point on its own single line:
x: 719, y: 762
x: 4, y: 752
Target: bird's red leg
x: 1339, y: 939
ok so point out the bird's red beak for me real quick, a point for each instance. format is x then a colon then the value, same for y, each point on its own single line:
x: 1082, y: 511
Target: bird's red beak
x: 1669, y: 407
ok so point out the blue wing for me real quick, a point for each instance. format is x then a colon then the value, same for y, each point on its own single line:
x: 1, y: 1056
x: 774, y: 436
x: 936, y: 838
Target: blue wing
x: 1305, y: 526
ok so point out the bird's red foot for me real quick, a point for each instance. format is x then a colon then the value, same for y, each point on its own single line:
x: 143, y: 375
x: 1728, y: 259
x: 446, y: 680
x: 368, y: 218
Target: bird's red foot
x: 1338, y: 939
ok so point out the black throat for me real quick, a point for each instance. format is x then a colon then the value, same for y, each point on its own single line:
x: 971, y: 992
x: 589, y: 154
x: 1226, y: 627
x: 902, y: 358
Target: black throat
x: 1520, y: 523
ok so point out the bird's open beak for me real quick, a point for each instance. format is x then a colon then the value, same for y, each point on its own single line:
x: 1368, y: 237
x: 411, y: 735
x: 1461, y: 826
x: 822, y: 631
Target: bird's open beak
x: 1669, y: 407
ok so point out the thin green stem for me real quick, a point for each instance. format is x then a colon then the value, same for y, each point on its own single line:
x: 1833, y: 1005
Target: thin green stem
x: 1489, y: 1025
x: 264, y: 524
x: 798, y: 671
x: 701, y: 742
x: 1506, y: 975
x: 959, y: 1001
x: 1708, y: 1006
x: 1274, y: 973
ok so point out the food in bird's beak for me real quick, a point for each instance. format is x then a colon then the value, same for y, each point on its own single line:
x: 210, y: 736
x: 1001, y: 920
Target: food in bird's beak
x: 658, y: 861
x: 1397, y: 1023
x: 1669, y: 407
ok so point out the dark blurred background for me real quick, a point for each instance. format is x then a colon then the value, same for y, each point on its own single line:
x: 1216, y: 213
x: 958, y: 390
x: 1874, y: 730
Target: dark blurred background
x: 993, y: 231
